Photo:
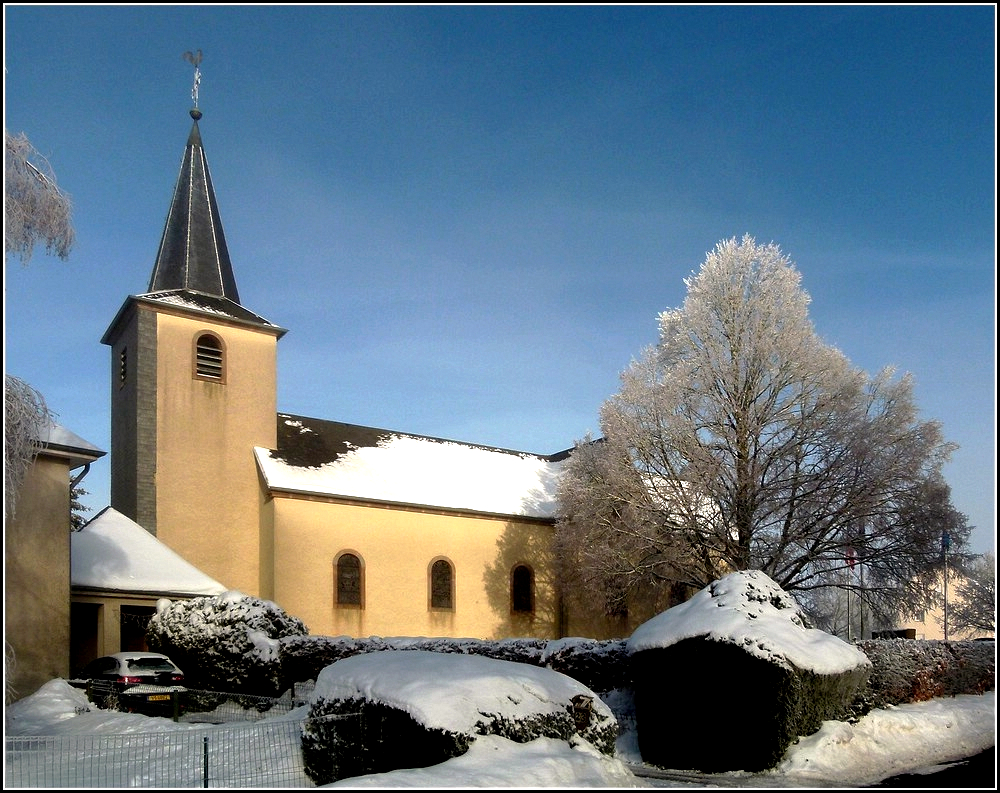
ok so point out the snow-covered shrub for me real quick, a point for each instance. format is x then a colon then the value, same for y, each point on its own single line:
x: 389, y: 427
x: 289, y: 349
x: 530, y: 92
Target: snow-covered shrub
x: 304, y: 657
x: 741, y: 647
x: 418, y: 708
x: 227, y: 642
x: 601, y: 665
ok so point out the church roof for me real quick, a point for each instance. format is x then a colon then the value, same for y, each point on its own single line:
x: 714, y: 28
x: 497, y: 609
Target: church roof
x: 208, y: 304
x: 193, y: 254
x: 350, y: 461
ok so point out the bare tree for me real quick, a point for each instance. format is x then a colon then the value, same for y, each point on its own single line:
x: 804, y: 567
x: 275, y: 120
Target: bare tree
x: 742, y: 441
x: 974, y: 608
x: 35, y: 208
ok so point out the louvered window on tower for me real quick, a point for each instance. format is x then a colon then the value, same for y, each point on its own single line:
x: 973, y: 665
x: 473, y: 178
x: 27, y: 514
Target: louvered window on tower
x: 208, y: 358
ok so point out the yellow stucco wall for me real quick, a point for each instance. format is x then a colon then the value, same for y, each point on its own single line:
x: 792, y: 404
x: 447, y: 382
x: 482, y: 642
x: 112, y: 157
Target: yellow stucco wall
x: 397, y: 546
x: 206, y: 433
x: 36, y: 577
x: 930, y: 624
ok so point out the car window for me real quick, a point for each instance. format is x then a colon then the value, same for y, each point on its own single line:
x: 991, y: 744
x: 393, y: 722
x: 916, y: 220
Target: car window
x: 150, y: 665
x: 101, y: 666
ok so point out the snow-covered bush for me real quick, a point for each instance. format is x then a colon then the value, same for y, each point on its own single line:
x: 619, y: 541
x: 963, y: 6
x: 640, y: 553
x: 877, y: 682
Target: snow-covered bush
x: 385, y: 710
x: 601, y: 665
x: 907, y: 670
x: 229, y: 642
x: 741, y: 646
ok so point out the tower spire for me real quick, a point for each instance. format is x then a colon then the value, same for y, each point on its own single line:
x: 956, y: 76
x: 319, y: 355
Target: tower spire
x: 193, y: 254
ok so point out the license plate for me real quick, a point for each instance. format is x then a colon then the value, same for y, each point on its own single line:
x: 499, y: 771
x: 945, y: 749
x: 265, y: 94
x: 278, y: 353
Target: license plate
x: 158, y: 697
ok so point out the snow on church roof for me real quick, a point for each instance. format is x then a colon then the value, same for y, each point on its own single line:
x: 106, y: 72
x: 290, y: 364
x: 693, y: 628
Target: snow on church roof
x: 113, y: 552
x: 414, y: 470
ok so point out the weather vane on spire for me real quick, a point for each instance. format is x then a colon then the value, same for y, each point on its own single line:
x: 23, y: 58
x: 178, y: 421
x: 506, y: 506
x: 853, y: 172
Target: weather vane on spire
x: 194, y: 58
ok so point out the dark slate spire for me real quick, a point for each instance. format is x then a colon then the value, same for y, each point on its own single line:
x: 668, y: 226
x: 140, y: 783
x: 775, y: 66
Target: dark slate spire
x: 193, y: 254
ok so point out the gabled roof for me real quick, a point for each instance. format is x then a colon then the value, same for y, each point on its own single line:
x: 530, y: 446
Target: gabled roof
x: 113, y: 553
x: 60, y: 442
x: 350, y: 461
x: 193, y: 254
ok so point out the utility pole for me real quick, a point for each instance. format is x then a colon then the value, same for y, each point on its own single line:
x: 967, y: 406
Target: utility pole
x: 861, y: 600
x: 852, y: 558
x: 945, y: 545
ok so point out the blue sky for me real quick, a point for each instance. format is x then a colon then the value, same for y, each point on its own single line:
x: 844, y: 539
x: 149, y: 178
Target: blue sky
x: 469, y: 217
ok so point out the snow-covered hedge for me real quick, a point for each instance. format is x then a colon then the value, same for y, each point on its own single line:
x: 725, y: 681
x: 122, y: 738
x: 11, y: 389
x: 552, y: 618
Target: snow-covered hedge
x: 908, y: 670
x: 227, y: 642
x: 741, y: 646
x: 601, y: 665
x: 903, y: 670
x: 391, y: 709
x: 303, y: 657
x: 233, y: 642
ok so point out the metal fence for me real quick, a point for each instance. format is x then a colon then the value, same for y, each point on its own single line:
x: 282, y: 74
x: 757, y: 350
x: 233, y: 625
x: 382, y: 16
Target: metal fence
x: 251, y: 753
x: 215, y: 707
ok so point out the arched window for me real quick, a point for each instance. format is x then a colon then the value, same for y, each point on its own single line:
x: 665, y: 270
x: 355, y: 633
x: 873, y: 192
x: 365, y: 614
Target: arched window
x: 522, y: 590
x: 209, y: 358
x: 442, y: 583
x: 350, y: 583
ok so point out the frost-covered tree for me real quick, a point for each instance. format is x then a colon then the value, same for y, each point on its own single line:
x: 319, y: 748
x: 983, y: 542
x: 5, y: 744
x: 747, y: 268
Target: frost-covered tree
x: 742, y: 441
x: 26, y: 418
x: 973, y: 610
x: 36, y: 210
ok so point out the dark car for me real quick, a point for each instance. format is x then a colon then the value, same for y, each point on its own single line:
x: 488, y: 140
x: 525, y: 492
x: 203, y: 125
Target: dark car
x: 137, y: 682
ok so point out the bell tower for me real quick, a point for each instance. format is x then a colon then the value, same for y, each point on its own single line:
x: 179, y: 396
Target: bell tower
x: 193, y: 391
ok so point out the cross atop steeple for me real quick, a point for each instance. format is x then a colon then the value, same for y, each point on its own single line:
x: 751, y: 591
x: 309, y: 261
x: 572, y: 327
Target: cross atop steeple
x: 193, y: 254
x: 194, y: 58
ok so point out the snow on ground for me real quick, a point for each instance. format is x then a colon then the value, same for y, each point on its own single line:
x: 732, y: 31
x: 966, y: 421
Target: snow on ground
x: 887, y: 742
x: 497, y: 762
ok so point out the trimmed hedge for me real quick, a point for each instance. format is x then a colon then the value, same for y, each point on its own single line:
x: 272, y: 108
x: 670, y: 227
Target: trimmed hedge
x: 908, y: 670
x: 750, y: 709
x: 304, y: 657
x: 903, y: 670
x: 351, y: 737
x: 351, y: 730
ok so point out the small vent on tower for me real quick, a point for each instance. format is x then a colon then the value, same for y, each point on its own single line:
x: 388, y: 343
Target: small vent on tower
x: 209, y: 359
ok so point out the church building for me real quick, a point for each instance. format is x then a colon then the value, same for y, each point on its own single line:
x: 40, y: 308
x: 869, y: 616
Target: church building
x: 355, y: 530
